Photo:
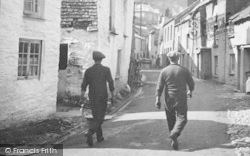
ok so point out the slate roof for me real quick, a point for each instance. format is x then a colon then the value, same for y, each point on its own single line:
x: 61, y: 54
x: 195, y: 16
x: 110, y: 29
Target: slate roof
x: 242, y: 15
x: 80, y: 14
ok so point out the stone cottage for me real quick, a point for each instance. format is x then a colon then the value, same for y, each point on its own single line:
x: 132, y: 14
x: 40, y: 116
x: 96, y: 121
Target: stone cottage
x: 29, y: 50
x: 89, y: 25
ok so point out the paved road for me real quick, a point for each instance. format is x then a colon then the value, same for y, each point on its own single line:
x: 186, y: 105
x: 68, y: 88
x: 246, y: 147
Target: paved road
x: 141, y: 129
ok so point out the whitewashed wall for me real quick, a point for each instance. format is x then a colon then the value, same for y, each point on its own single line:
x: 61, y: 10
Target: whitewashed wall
x: 26, y: 100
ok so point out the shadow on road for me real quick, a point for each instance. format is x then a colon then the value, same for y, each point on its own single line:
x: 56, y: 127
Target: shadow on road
x: 142, y: 126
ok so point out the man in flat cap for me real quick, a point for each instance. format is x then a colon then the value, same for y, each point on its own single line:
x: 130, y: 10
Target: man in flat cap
x: 96, y: 77
x: 175, y: 79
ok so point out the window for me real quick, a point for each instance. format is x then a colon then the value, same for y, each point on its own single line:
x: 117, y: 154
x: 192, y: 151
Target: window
x: 165, y: 35
x: 232, y: 64
x: 168, y: 33
x: 34, y: 8
x: 118, y: 67
x: 179, y: 43
x: 171, y: 32
x: 216, y: 39
x: 125, y: 5
x: 187, y: 41
x: 29, y: 61
x: 112, y: 16
x: 183, y: 59
x: 215, y: 65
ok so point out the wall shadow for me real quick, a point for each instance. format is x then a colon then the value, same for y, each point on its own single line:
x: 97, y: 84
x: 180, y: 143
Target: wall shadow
x: 153, y: 135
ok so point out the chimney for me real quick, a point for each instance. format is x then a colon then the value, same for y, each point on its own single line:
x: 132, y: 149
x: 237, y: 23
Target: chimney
x: 167, y: 13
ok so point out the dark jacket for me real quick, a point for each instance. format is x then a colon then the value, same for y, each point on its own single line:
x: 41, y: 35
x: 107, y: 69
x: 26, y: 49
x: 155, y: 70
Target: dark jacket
x: 97, y: 77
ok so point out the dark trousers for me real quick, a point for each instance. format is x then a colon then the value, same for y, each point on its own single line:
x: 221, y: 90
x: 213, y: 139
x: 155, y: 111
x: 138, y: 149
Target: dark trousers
x: 176, y: 113
x: 98, y: 108
x: 95, y: 126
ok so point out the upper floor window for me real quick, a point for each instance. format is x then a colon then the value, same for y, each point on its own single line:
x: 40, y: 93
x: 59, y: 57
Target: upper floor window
x: 112, y: 16
x: 187, y: 46
x: 34, y: 8
x: 171, y: 32
x: 168, y: 34
x: 29, y: 60
x: 232, y: 64
x: 118, y: 65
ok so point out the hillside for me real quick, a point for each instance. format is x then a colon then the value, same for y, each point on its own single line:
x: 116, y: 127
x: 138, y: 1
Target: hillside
x: 176, y: 6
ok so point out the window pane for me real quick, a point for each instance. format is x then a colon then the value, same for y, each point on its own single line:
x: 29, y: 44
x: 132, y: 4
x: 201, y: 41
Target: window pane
x: 32, y: 50
x: 34, y: 59
x: 24, y: 59
x: 37, y: 48
x: 20, y: 47
x: 31, y: 59
x: 28, y: 5
x: 26, y: 47
x: 36, y: 6
x: 33, y: 71
x: 20, y: 59
x: 20, y: 70
x: 24, y: 71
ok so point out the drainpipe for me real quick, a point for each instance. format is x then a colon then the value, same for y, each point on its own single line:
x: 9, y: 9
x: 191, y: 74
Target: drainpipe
x: 225, y: 51
x: 192, y: 52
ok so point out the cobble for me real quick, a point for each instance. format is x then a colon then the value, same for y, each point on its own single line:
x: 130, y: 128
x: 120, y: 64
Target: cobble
x: 239, y: 129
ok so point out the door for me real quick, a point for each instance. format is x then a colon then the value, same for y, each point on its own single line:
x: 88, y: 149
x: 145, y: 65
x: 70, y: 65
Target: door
x: 238, y: 68
x: 206, y: 64
x: 62, y: 72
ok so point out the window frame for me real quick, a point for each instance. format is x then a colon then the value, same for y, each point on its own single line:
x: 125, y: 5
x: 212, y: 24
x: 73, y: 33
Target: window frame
x: 28, y: 64
x: 34, y: 14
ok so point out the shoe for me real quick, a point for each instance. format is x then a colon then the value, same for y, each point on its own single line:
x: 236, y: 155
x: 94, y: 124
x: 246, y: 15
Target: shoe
x: 101, y: 139
x: 174, y: 142
x: 89, y: 139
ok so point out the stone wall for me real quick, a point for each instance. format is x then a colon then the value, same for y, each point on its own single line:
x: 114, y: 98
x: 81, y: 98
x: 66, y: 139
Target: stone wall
x: 28, y: 99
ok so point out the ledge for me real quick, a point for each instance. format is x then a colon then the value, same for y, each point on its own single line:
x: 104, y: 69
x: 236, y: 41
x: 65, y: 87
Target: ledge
x: 215, y: 76
x: 32, y: 16
x: 118, y: 77
x: 113, y: 33
x: 215, y: 46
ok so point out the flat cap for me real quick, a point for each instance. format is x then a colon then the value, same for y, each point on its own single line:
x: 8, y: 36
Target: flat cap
x: 97, y: 55
x: 173, y: 54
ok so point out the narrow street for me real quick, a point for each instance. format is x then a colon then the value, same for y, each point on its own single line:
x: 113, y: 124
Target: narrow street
x: 141, y: 129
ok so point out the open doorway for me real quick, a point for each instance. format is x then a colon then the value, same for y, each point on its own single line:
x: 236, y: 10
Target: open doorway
x: 62, y: 72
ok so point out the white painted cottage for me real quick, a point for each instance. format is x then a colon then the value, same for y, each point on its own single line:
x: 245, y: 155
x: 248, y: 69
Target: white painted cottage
x: 29, y: 57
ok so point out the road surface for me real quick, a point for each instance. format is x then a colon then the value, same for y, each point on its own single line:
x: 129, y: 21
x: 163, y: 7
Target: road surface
x: 141, y: 129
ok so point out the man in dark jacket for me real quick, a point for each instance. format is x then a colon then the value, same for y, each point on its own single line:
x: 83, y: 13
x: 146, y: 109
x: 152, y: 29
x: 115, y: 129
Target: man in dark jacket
x: 175, y: 79
x: 96, y: 77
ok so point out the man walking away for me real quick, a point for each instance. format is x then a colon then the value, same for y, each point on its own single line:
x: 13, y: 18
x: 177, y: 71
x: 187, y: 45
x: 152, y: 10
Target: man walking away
x: 96, y: 77
x: 175, y: 79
